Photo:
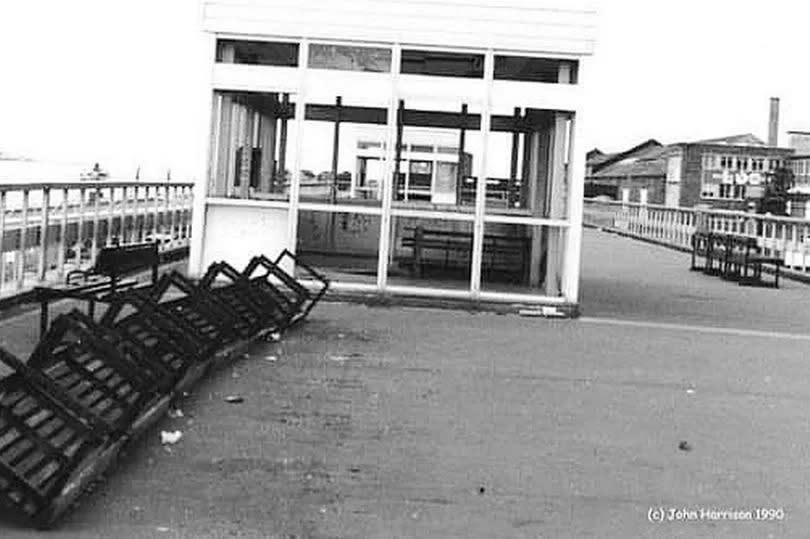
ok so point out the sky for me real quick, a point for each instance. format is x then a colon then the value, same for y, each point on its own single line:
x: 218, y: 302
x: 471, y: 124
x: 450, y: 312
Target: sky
x: 125, y: 82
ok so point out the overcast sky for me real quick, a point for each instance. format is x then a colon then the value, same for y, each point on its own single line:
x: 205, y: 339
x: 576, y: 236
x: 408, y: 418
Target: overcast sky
x: 123, y: 82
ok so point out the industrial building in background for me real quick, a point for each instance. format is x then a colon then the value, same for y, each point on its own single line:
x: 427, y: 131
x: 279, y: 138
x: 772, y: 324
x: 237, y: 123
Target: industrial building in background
x: 738, y: 172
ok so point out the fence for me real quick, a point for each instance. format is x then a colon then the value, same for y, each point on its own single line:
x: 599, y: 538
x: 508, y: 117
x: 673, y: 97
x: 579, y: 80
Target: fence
x: 48, y: 229
x: 785, y: 237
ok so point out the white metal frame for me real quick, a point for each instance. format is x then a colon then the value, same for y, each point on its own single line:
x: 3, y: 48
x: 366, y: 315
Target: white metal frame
x: 241, y: 77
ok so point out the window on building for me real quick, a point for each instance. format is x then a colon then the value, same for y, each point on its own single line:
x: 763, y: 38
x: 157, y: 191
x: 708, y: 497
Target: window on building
x: 231, y: 51
x: 442, y: 64
x: 350, y: 58
x: 523, y: 68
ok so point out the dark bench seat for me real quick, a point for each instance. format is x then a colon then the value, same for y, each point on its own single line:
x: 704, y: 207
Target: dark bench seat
x: 104, y: 279
x: 733, y: 257
x: 447, y: 249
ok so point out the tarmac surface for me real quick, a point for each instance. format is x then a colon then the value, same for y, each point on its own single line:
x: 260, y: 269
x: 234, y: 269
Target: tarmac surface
x: 674, y: 391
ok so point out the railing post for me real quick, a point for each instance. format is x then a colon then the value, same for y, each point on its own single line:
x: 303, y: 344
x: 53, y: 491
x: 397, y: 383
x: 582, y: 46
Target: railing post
x: 44, y: 225
x: 23, y: 238
x: 96, y: 223
x: 110, y: 217
x: 156, y: 213
x: 122, y: 238
x: 168, y: 216
x: 63, y: 226
x: 2, y: 240
x: 79, y: 246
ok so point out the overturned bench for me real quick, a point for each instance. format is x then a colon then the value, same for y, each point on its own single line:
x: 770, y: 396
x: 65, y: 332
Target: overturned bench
x: 91, y: 385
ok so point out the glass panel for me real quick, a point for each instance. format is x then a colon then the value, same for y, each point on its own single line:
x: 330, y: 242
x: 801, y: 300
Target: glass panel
x: 343, y: 160
x: 522, y: 259
x: 434, y: 253
x: 527, y: 164
x: 442, y: 64
x: 434, y: 138
x: 524, y: 68
x: 343, y: 246
x: 349, y: 58
x: 231, y: 51
x: 253, y: 145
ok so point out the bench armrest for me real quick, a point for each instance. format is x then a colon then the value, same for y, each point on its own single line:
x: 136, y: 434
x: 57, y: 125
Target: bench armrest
x: 83, y: 273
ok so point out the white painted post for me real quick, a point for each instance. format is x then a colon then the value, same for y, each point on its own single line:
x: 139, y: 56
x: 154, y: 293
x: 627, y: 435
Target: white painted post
x: 573, y: 245
x: 2, y: 238
x: 63, y: 225
x: 80, y: 229
x: 96, y: 221
x: 110, y: 216
x: 387, y: 188
x: 44, y: 224
x: 23, y: 238
x: 122, y: 237
x: 481, y: 182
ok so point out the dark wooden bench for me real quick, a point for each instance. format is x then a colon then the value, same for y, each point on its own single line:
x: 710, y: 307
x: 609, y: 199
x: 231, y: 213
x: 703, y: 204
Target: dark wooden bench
x: 102, y: 280
x: 448, y: 249
x: 744, y: 262
x: 733, y: 257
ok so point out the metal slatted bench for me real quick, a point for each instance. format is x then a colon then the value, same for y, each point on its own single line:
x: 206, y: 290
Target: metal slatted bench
x: 296, y: 299
x: 165, y: 337
x: 102, y: 280
x: 452, y: 250
x: 96, y: 374
x: 44, y: 438
x: 91, y: 386
x: 744, y: 262
x: 733, y: 257
x: 198, y: 308
x: 711, y: 247
x: 237, y: 294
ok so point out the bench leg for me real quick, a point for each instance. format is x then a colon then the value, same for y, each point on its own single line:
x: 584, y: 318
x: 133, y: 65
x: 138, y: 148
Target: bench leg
x: 43, y: 318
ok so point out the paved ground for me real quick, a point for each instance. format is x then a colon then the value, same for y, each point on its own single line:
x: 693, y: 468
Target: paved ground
x: 418, y: 423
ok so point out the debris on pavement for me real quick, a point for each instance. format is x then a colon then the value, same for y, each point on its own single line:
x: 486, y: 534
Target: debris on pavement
x: 175, y: 413
x: 684, y: 446
x: 234, y: 399
x: 545, y: 311
x: 346, y: 357
x: 170, y: 438
x: 271, y: 358
x: 273, y: 336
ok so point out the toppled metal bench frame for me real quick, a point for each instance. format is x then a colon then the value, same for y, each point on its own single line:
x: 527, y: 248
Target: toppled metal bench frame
x: 91, y: 385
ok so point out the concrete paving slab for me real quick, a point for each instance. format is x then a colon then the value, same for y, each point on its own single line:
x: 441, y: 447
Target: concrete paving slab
x: 376, y: 422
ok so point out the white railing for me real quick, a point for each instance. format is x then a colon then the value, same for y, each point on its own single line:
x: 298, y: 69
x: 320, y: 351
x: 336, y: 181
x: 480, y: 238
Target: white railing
x: 785, y: 237
x: 48, y: 229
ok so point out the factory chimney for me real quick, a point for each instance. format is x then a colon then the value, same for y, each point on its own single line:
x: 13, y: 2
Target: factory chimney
x: 773, y: 123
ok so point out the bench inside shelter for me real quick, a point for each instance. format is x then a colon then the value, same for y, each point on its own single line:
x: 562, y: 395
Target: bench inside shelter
x: 452, y: 250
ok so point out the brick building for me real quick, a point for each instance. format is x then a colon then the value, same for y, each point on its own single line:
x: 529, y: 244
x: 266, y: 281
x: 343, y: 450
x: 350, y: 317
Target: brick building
x: 724, y: 172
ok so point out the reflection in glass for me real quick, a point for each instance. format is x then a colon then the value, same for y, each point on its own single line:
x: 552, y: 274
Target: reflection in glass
x: 437, y: 148
x: 522, y: 259
x: 430, y: 252
x: 232, y: 51
x: 350, y: 58
x: 343, y: 160
x: 252, y: 145
x: 343, y: 246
